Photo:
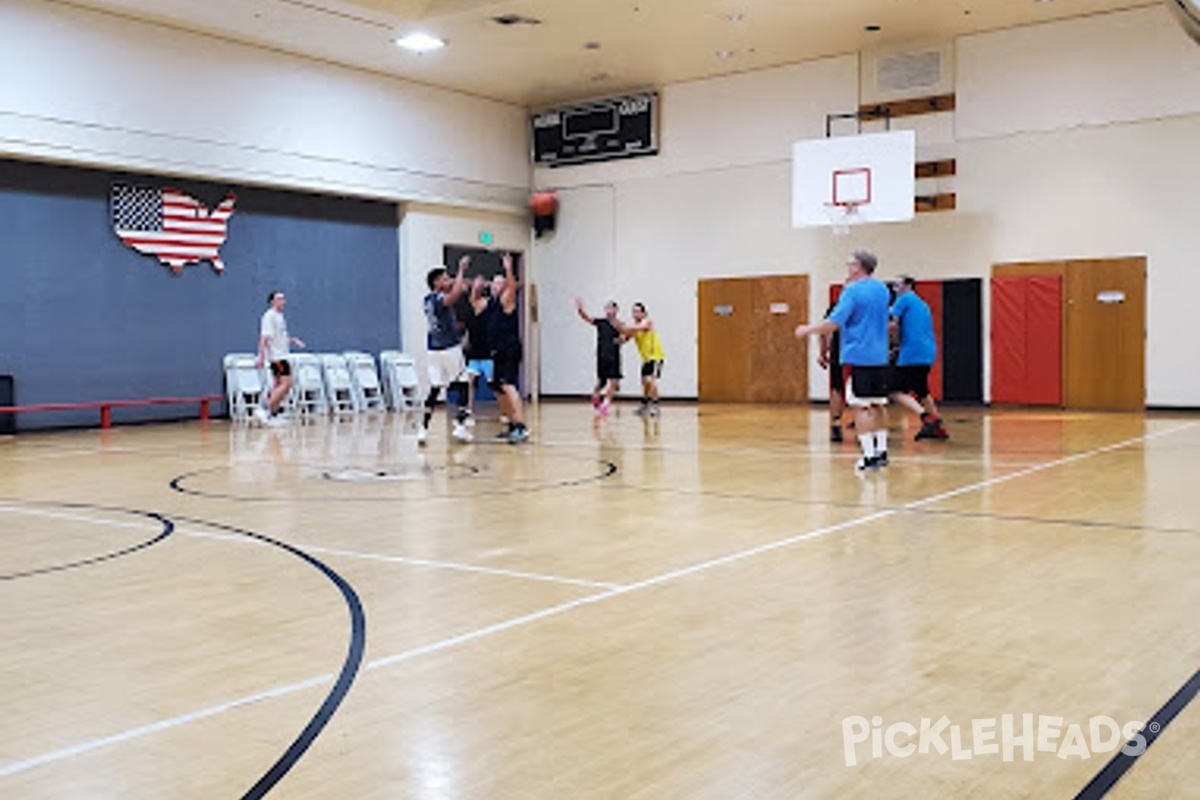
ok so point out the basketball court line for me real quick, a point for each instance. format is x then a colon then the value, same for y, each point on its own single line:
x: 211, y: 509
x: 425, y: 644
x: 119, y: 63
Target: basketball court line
x: 16, y: 767
x: 452, y: 566
x: 758, y: 498
x: 37, y: 512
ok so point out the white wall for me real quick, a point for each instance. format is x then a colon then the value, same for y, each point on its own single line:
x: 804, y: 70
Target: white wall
x: 1073, y: 139
x: 716, y: 203
x: 100, y: 90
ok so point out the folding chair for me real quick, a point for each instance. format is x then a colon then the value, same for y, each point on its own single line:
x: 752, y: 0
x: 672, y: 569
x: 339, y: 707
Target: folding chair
x: 339, y: 386
x: 368, y: 394
x: 245, y: 387
x: 308, y: 385
x: 400, y: 381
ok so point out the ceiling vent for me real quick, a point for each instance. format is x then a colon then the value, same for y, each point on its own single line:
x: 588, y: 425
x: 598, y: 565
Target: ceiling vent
x: 903, y: 72
x: 515, y: 19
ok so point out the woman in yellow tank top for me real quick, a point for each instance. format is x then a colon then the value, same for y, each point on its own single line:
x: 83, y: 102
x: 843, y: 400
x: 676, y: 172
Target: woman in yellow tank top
x: 649, y: 346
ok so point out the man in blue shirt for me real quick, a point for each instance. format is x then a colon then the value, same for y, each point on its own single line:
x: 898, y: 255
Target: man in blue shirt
x: 912, y: 322
x: 861, y: 318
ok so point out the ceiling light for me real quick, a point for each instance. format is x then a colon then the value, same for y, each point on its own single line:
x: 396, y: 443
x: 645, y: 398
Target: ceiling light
x: 872, y: 28
x: 724, y: 54
x: 420, y: 42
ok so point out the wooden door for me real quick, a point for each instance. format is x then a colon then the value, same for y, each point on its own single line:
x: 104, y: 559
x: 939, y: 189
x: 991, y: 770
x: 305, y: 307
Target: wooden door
x: 748, y: 350
x: 1105, y: 320
x: 725, y: 311
x: 778, y: 360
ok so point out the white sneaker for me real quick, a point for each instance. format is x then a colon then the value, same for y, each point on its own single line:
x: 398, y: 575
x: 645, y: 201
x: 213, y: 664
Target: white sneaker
x: 261, y: 416
x: 422, y: 435
x: 461, y: 433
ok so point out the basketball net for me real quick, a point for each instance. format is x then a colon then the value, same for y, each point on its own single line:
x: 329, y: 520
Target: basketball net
x: 842, y: 216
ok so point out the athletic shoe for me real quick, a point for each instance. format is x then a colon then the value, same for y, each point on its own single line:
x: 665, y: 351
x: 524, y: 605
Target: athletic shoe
x: 835, y: 434
x: 596, y: 401
x: 277, y: 421
x: 866, y: 463
x: 602, y: 410
x: 940, y: 433
x: 928, y: 431
x: 261, y: 416
x: 469, y: 421
x: 881, y: 460
x: 654, y: 410
x: 518, y: 435
x: 422, y: 435
x: 461, y: 433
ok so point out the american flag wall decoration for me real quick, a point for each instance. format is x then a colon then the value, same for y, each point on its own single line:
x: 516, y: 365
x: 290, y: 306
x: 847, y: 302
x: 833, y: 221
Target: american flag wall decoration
x: 175, y: 228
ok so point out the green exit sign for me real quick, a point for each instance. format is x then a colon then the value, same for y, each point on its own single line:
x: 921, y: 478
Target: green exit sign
x: 485, y: 238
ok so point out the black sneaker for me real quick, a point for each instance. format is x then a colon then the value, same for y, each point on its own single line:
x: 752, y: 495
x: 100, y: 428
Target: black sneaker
x: 881, y: 460
x: 867, y: 463
x: 835, y: 434
x: 928, y: 431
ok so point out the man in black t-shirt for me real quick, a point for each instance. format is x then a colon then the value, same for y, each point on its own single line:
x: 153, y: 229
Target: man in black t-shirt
x: 608, y: 355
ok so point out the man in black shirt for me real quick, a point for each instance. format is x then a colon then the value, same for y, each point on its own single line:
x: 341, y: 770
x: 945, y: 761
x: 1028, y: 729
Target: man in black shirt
x: 608, y: 355
x: 504, y: 336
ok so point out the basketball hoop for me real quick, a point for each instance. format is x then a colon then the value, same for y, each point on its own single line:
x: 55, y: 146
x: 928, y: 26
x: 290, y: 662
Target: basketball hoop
x: 842, y: 216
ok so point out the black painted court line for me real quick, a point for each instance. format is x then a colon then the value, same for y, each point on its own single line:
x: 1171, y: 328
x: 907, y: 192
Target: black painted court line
x: 178, y: 484
x: 349, y: 671
x: 1115, y: 769
x: 164, y: 532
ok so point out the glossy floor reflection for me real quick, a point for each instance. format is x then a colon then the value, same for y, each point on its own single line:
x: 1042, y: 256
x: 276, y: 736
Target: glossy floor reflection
x: 710, y: 604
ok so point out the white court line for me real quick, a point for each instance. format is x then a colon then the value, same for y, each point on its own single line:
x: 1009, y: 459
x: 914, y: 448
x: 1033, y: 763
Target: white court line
x: 15, y: 767
x: 35, y: 512
x: 416, y: 562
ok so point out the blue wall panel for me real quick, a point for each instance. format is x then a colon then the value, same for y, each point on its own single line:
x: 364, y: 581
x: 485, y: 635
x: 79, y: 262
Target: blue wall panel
x: 83, y: 317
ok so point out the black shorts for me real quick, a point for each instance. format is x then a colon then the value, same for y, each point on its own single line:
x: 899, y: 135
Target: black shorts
x: 281, y: 369
x: 506, y: 367
x: 912, y: 379
x: 608, y: 369
x: 652, y: 369
x: 866, y: 383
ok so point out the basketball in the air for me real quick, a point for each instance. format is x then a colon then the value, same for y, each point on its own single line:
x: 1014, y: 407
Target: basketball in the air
x: 544, y: 204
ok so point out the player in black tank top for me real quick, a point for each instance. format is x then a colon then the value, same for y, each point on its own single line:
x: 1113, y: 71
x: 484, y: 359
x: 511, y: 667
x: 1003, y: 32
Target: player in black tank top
x: 504, y: 337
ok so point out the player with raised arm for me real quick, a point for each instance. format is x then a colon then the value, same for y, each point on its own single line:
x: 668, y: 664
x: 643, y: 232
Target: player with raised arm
x: 504, y: 333
x: 608, y: 354
x: 447, y: 365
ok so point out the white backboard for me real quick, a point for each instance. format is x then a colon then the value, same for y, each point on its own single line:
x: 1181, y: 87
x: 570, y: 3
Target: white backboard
x: 874, y: 171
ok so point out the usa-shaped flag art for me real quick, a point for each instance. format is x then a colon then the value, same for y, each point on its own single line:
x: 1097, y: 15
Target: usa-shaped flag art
x: 175, y: 228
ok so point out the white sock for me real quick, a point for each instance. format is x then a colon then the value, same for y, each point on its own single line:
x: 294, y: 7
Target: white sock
x: 881, y: 441
x: 867, y: 440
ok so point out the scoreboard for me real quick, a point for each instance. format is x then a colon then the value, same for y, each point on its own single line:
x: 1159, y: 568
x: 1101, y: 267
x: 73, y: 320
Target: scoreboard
x: 599, y: 130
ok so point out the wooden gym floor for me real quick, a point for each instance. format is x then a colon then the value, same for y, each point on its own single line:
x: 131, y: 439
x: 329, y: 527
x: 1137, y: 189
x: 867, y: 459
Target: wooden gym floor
x: 690, y: 607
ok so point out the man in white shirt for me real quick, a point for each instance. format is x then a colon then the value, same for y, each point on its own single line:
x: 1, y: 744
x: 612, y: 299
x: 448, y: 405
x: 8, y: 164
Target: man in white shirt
x: 273, y: 349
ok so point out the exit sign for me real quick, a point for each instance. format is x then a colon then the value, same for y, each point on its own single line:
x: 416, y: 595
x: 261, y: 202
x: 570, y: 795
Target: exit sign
x: 486, y: 238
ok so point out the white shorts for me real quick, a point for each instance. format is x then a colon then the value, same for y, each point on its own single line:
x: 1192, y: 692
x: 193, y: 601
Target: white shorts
x: 447, y: 366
